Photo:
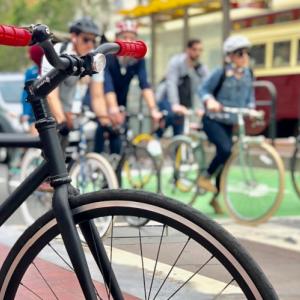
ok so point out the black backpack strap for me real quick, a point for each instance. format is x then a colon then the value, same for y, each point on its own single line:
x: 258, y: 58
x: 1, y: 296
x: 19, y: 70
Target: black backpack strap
x: 216, y: 91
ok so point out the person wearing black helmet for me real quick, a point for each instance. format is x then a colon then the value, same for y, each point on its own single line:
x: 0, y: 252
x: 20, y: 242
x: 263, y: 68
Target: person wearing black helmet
x: 84, y: 35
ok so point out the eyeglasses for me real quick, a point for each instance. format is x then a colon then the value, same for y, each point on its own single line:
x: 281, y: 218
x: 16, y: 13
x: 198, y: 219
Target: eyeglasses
x: 86, y: 40
x: 242, y: 52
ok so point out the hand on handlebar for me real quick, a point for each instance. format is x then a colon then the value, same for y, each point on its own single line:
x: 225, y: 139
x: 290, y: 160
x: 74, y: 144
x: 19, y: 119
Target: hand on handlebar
x: 213, y: 105
x: 180, y: 109
x: 117, y: 118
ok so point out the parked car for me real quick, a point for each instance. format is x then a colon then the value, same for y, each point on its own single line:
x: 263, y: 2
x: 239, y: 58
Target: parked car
x: 11, y: 88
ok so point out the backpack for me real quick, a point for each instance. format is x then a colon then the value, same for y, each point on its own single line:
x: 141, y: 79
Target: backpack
x: 221, y: 81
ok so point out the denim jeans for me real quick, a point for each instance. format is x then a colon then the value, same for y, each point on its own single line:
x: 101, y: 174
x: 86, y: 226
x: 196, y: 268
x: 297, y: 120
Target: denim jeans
x: 115, y: 142
x: 174, y: 120
x: 220, y: 135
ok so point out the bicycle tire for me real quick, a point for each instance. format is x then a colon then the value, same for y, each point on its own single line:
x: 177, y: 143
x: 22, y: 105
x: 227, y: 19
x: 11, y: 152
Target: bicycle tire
x: 184, y: 172
x: 204, y: 232
x: 140, y: 183
x: 270, y: 156
x: 130, y: 156
x: 295, y: 168
x: 31, y: 159
x: 101, y: 167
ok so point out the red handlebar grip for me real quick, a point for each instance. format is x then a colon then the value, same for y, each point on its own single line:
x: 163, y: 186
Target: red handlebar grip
x: 136, y: 49
x: 14, y: 36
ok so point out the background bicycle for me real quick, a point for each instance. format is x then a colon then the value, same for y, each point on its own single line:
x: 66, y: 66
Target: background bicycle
x: 295, y: 165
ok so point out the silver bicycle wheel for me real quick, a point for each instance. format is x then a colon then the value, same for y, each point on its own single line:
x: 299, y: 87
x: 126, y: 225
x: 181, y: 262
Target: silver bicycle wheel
x: 94, y: 173
x: 253, y: 183
x: 41, y: 200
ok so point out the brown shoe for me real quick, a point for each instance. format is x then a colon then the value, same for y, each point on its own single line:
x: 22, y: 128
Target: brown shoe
x: 205, y: 184
x: 216, y: 206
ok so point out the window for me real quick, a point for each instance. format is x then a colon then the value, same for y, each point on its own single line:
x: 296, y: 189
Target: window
x: 298, y: 56
x: 284, y: 17
x: 260, y: 21
x: 258, y: 55
x: 281, y: 55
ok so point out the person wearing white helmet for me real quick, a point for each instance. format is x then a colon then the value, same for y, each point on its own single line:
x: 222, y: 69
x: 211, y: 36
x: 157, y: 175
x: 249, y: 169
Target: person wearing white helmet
x: 118, y: 74
x: 229, y: 85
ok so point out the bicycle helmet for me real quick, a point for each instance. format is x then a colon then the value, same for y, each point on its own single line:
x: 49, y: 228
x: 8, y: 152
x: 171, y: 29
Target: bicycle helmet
x: 234, y: 43
x: 86, y: 25
x: 126, y: 26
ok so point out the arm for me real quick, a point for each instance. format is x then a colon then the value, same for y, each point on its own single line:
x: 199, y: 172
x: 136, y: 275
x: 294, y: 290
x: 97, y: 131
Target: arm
x: 56, y: 107
x: 147, y: 92
x: 172, y: 80
x: 206, y: 91
x: 111, y: 99
x: 98, y: 102
x: 251, y: 98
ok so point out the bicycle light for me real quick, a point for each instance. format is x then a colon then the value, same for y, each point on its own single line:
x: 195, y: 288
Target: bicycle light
x: 99, y: 62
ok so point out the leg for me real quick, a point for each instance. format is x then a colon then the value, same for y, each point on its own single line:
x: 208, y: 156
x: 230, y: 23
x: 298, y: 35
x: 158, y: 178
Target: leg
x: 221, y: 136
x: 99, y: 139
x: 177, y: 123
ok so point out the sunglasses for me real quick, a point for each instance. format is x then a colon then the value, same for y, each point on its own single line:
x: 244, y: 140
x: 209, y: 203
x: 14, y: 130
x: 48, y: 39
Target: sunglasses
x: 242, y: 52
x: 87, y: 40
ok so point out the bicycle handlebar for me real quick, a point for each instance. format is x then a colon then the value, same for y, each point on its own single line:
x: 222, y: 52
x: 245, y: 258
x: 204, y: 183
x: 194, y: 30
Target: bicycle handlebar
x: 14, y: 36
x: 17, y: 36
x: 245, y: 112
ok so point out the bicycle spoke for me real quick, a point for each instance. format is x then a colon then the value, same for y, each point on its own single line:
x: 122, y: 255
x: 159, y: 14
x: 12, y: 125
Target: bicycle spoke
x: 176, y: 260
x: 30, y: 290
x: 227, y: 285
x: 142, y: 257
x: 45, y: 280
x: 61, y: 257
x: 191, y: 277
x: 158, y: 252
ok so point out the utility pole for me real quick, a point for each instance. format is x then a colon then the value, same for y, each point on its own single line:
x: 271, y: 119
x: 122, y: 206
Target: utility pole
x: 226, y: 18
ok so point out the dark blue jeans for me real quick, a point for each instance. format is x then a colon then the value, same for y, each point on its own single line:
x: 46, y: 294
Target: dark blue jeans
x: 174, y: 120
x: 115, y: 142
x: 220, y: 135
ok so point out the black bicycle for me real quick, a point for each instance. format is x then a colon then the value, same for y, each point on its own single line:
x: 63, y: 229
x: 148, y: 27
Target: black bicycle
x: 180, y: 254
x: 295, y: 165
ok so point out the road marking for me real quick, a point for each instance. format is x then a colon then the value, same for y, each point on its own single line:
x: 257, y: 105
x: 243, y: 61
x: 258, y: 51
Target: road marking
x: 276, y: 235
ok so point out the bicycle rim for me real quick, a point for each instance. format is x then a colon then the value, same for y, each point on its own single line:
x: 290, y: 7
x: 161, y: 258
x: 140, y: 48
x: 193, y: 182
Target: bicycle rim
x: 94, y: 173
x: 41, y: 200
x: 138, y: 170
x: 295, y: 170
x: 181, y: 255
x: 181, y: 169
x: 253, y: 185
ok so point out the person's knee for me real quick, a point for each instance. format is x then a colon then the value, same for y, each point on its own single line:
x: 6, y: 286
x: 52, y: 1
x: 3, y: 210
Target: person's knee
x: 225, y: 152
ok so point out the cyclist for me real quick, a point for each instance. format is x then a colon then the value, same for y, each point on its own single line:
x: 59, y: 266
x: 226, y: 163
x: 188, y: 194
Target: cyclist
x: 230, y: 85
x: 118, y: 74
x: 35, y: 53
x: 178, y: 91
x: 83, y: 38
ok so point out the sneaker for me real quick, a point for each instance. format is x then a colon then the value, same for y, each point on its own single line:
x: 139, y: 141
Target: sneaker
x: 205, y: 184
x: 216, y: 206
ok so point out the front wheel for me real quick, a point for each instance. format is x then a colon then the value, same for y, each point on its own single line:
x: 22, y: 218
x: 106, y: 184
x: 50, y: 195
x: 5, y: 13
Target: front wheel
x: 253, y: 183
x: 179, y: 254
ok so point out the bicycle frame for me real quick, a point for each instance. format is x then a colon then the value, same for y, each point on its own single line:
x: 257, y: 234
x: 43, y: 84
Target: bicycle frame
x: 54, y: 167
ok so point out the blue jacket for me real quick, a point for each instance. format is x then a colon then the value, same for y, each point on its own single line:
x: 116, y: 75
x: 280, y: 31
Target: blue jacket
x: 233, y: 92
x: 115, y: 81
x: 30, y: 74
